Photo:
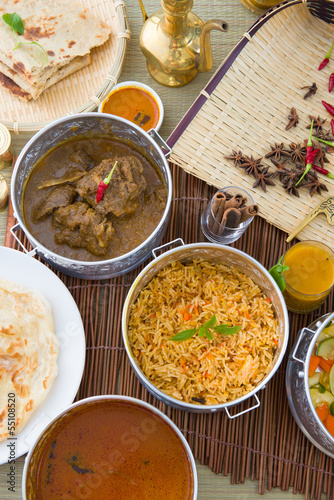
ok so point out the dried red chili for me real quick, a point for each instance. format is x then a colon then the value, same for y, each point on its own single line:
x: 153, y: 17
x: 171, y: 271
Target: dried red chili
x: 104, y: 184
x: 326, y: 60
x: 328, y: 107
x: 331, y: 83
x: 332, y: 126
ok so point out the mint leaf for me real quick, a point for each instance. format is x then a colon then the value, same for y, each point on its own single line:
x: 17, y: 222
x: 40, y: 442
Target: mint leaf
x: 227, y: 329
x: 184, y: 335
x: 201, y: 331
x: 15, y: 22
x: 208, y: 334
x: 211, y: 322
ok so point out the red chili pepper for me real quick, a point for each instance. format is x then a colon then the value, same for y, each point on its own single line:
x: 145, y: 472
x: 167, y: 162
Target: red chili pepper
x: 332, y: 126
x: 326, y: 60
x: 309, y: 154
x: 331, y: 83
x: 328, y: 107
x: 323, y: 171
x: 104, y: 184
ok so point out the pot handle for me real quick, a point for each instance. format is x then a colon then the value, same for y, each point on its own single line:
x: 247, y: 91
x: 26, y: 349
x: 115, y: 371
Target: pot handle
x: 178, y: 241
x: 311, y: 333
x: 159, y: 140
x: 12, y: 232
x: 244, y: 411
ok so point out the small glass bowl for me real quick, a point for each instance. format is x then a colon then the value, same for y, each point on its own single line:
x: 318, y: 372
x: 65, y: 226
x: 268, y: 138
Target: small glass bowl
x: 214, y: 230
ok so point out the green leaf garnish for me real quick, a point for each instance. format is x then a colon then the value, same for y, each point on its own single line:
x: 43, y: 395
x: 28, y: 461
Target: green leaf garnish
x: 15, y: 22
x: 226, y: 329
x: 277, y: 273
x: 204, y: 330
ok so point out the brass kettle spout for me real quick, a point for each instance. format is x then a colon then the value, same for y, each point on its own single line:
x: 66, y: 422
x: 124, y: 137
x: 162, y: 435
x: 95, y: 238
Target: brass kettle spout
x: 205, y: 53
x: 176, y: 43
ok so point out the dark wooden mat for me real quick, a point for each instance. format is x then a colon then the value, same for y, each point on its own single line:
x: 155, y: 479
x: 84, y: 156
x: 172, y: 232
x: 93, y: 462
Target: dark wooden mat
x: 265, y: 444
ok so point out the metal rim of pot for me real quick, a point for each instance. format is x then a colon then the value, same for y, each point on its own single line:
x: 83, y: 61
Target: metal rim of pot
x: 156, y: 142
x: 114, y: 397
x: 149, y: 270
x: 297, y: 386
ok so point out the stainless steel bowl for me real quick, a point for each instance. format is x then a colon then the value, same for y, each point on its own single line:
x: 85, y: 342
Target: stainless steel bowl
x: 71, y: 126
x: 297, y: 387
x: 31, y: 463
x: 231, y: 257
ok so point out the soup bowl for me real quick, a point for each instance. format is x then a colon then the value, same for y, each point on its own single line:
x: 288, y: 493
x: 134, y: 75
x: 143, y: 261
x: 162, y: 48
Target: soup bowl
x: 90, y: 124
x: 213, y: 253
x: 106, y: 444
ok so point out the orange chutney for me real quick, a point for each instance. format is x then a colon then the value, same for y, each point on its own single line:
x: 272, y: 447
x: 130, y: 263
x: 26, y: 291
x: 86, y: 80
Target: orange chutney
x: 310, y: 275
x: 109, y: 449
x: 135, y: 104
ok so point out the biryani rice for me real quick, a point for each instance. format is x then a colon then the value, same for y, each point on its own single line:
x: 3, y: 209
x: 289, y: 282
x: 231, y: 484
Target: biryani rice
x: 184, y: 296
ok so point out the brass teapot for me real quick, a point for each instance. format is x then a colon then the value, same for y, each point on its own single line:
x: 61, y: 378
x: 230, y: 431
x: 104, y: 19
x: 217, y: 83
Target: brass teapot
x: 176, y: 43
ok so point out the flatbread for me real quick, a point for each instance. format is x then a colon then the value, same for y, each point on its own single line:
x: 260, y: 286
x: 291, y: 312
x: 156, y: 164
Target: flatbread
x: 65, y: 30
x: 13, y: 82
x: 28, y: 354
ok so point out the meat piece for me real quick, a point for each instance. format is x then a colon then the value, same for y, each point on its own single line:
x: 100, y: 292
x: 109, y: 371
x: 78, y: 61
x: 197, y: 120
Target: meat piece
x: 55, y: 198
x: 83, y: 159
x: 121, y: 195
x: 80, y: 226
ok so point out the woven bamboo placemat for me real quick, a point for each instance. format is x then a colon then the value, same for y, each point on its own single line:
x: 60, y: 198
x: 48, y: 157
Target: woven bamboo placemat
x: 245, y: 107
x: 265, y: 444
x: 84, y: 89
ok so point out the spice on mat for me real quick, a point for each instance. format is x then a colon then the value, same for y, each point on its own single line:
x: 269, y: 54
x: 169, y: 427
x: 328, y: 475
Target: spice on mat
x: 290, y: 181
x: 204, y: 330
x: 281, y: 169
x: 277, y: 152
x: 317, y: 124
x: 264, y: 179
x: 311, y: 90
x: 326, y: 60
x: 310, y: 155
x: 251, y: 166
x: 297, y: 152
x: 331, y: 82
x: 104, y: 184
x: 328, y: 107
x: 236, y: 156
x: 323, y: 171
x: 293, y: 119
x: 332, y: 126
x: 314, y: 184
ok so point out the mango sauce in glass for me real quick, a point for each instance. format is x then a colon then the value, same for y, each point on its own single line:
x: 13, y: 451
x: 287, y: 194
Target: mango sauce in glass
x: 310, y: 276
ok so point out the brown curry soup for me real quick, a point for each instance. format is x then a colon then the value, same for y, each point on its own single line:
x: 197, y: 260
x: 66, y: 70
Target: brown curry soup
x: 83, y: 156
x: 109, y: 449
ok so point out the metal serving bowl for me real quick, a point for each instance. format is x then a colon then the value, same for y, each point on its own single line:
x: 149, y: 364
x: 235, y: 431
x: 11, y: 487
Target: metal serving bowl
x: 94, y: 123
x: 297, y: 387
x: 231, y: 257
x: 125, y: 445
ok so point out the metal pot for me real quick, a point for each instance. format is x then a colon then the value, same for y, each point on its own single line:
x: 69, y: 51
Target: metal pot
x: 231, y: 257
x: 31, y: 463
x: 297, y: 387
x: 67, y: 127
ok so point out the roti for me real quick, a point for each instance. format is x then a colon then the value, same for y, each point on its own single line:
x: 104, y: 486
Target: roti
x: 28, y: 355
x: 65, y: 30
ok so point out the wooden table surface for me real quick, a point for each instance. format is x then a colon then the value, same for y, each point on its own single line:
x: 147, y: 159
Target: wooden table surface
x: 176, y: 102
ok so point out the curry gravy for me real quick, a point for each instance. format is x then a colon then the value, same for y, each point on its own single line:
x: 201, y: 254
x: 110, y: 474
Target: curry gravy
x: 107, y: 450
x: 130, y: 230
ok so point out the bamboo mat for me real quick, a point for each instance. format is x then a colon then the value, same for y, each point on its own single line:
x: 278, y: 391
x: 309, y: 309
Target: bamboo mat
x: 264, y: 445
x: 246, y: 107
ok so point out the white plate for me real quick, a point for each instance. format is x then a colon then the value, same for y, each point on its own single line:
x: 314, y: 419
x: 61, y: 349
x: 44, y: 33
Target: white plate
x: 29, y: 272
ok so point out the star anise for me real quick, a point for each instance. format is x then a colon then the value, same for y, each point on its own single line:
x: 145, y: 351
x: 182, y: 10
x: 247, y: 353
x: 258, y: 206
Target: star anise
x: 281, y: 170
x: 297, y: 152
x: 264, y: 180
x: 290, y: 180
x: 321, y: 157
x: 311, y: 90
x: 314, y: 184
x: 318, y: 124
x: 326, y: 135
x: 236, y: 156
x: 293, y: 119
x: 251, y: 166
x: 277, y: 152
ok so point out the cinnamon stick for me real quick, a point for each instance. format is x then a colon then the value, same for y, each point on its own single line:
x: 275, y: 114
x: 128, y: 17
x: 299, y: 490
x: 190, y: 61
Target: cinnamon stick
x: 235, y: 202
x: 248, y: 212
x: 218, y: 207
x: 231, y: 219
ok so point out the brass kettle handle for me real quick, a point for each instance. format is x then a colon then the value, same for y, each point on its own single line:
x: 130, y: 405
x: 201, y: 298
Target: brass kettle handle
x: 143, y: 11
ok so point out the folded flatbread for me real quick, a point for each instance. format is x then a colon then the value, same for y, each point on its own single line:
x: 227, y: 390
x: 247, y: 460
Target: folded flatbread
x: 28, y: 354
x: 66, y: 31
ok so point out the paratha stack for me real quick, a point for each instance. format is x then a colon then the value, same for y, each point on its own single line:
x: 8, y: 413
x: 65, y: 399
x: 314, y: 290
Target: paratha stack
x: 66, y: 31
x: 28, y: 353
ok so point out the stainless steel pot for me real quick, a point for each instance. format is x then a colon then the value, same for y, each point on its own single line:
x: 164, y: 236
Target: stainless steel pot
x: 67, y: 127
x: 297, y: 387
x: 30, y: 464
x: 231, y: 257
